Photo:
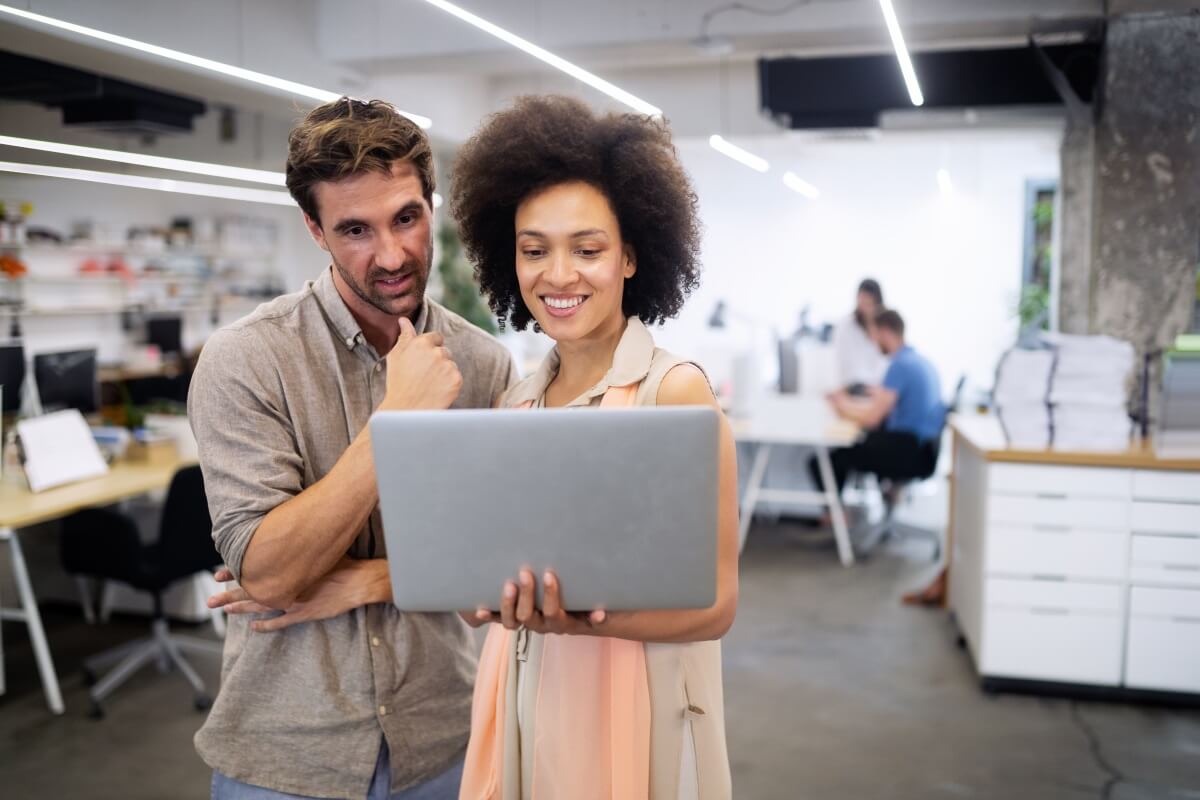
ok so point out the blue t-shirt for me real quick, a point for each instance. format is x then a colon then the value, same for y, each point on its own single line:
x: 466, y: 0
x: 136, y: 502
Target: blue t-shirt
x: 918, y: 408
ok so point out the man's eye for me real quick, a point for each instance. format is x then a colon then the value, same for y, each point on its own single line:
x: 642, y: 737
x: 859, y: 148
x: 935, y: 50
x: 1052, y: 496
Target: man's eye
x: 355, y: 231
x: 407, y: 219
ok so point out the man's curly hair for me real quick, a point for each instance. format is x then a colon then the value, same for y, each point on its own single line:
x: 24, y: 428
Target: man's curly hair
x: 544, y: 141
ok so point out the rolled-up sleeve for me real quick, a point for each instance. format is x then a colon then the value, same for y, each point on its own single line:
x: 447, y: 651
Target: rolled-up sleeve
x: 247, y: 445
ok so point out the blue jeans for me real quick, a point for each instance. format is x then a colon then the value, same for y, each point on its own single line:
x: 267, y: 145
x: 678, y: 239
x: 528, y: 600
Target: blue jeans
x: 442, y: 787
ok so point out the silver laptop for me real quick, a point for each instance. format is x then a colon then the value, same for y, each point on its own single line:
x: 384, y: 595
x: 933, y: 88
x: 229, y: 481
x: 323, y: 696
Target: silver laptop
x: 621, y: 503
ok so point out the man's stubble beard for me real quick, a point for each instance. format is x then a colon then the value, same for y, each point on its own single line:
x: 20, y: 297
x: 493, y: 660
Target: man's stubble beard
x: 378, y: 301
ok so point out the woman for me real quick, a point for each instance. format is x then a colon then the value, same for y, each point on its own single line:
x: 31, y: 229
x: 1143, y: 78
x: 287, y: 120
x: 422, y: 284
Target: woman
x: 586, y: 225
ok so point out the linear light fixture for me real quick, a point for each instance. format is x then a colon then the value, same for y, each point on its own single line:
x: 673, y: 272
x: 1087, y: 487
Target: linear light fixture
x: 739, y: 155
x: 248, y: 75
x: 143, y: 160
x: 798, y: 184
x: 542, y: 54
x: 906, y: 65
x: 157, y: 184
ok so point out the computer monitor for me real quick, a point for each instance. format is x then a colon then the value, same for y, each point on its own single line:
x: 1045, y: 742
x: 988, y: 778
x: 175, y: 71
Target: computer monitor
x: 12, y: 376
x: 167, y: 333
x: 67, y: 380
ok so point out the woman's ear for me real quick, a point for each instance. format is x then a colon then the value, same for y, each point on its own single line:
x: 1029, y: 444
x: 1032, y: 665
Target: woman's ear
x: 629, y: 268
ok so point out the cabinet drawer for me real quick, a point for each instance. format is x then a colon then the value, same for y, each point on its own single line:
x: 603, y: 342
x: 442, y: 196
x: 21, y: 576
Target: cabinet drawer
x: 1057, y: 551
x: 1165, y: 559
x: 1029, y: 479
x: 1072, y: 647
x: 1163, y: 485
x: 1149, y: 517
x: 1163, y: 651
x: 1050, y: 510
x: 1053, y: 596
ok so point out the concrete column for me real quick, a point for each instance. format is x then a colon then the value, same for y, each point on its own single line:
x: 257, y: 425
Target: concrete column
x: 1130, y: 236
x: 1147, y: 180
x: 1076, y: 211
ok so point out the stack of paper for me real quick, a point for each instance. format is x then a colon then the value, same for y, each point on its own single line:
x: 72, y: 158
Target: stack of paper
x: 1020, y: 396
x: 1089, y: 392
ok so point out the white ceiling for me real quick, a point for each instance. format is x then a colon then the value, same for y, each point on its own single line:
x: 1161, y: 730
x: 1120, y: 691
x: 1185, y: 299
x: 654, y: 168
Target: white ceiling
x: 411, y: 36
x: 431, y: 63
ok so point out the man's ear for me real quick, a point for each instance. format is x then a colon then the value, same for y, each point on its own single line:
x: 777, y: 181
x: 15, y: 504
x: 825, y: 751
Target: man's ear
x: 630, y: 268
x: 314, y: 230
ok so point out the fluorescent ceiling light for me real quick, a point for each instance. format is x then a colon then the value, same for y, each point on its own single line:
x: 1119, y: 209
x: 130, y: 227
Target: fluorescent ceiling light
x: 248, y: 75
x: 739, y: 155
x: 906, y: 66
x: 142, y: 160
x: 157, y: 184
x: 798, y: 184
x: 576, y: 72
x: 943, y: 179
x: 437, y: 200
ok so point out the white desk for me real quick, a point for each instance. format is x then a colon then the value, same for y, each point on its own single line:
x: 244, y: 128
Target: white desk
x: 795, y: 420
x: 1071, y: 567
x: 19, y: 508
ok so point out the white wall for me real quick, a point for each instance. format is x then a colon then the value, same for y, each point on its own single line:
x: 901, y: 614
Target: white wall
x: 950, y: 265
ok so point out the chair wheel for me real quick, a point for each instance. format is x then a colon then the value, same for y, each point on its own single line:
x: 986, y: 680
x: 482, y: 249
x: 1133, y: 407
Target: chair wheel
x: 95, y: 711
x: 202, y: 702
x: 89, y: 678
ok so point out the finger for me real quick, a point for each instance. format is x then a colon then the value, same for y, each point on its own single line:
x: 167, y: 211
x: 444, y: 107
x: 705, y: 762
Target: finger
x: 223, y: 575
x: 247, y: 607
x: 407, y: 331
x: 525, y: 600
x: 551, y: 600
x: 274, y: 623
x: 477, y: 617
x: 225, y: 598
x: 508, y: 606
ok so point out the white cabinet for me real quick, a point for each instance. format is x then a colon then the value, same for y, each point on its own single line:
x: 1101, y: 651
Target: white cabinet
x: 1077, y: 574
x: 1164, y: 640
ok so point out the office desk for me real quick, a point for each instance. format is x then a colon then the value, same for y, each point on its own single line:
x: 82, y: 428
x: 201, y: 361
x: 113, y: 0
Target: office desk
x: 1072, y: 567
x: 789, y: 420
x: 20, y: 508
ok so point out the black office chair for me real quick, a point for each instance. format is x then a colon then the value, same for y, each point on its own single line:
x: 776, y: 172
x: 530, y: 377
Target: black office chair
x: 894, y: 490
x: 104, y: 543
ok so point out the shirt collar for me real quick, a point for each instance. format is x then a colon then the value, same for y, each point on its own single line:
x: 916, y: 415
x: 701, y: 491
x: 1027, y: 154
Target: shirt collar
x: 341, y: 320
x: 631, y: 364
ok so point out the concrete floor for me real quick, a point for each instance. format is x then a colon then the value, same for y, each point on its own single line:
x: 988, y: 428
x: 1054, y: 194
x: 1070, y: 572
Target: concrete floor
x: 833, y: 690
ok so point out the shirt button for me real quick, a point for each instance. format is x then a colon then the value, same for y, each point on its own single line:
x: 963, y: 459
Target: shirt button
x: 378, y: 366
x: 383, y: 711
x: 374, y: 641
x: 350, y: 341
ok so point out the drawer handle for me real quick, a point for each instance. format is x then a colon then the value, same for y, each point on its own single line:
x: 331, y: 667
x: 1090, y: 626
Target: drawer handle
x: 1052, y: 528
x: 1186, y: 620
x: 1049, y: 611
x: 1182, y: 567
x: 1051, y: 495
x: 1050, y: 578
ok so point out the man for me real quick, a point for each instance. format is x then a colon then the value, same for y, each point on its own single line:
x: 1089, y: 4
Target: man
x: 341, y: 695
x: 902, y: 417
x: 859, y: 361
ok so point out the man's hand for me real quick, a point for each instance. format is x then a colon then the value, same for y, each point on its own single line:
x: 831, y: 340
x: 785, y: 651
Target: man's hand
x: 350, y: 584
x: 420, y: 372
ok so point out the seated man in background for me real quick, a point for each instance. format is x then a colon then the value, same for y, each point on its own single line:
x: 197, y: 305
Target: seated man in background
x: 902, y: 418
